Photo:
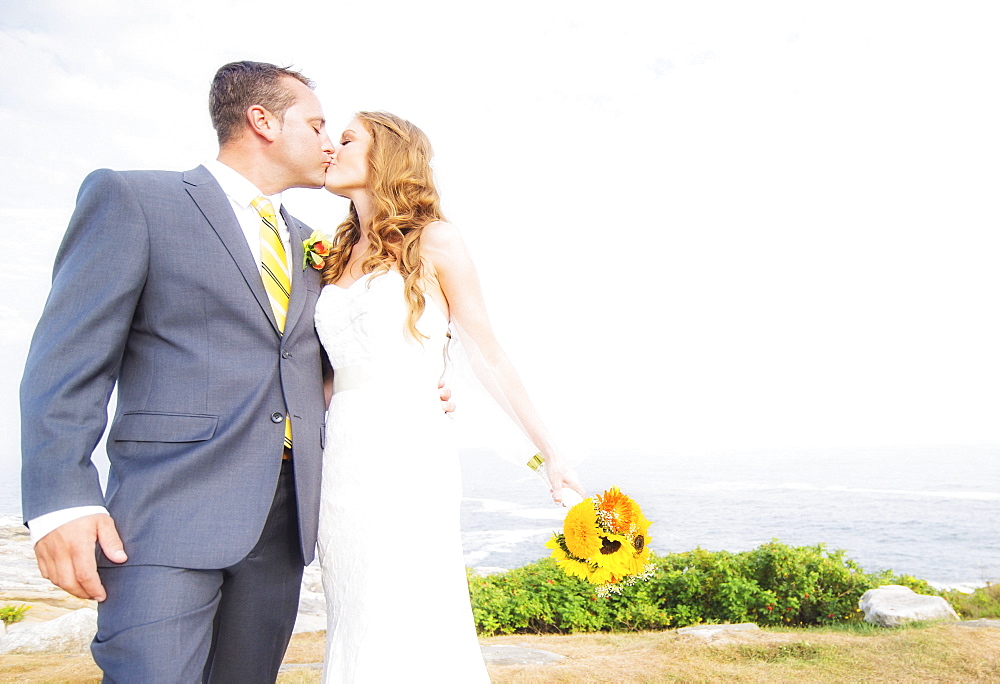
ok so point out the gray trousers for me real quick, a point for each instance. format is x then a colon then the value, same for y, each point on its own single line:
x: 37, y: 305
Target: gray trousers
x: 162, y: 624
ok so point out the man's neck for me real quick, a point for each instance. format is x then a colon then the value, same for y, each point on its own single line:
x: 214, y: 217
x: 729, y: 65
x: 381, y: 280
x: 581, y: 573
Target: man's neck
x: 255, y: 169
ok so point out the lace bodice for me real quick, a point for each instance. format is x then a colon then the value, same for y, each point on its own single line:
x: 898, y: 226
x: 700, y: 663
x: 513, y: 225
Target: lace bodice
x: 363, y: 327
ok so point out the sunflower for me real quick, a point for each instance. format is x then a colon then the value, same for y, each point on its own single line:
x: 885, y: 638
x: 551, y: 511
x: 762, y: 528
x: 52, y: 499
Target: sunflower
x: 641, y: 524
x: 640, y: 547
x: 619, y: 514
x: 603, y: 576
x: 583, y: 538
x: 575, y: 567
x: 616, y: 511
x: 620, y: 557
x: 571, y: 566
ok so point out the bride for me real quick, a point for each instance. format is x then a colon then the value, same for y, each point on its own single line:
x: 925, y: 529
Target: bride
x: 397, y: 278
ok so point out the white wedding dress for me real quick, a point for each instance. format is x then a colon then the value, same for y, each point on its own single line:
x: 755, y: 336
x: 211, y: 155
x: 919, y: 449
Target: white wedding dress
x: 389, y: 531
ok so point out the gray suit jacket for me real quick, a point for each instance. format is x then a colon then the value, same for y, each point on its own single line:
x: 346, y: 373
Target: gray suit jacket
x: 155, y: 288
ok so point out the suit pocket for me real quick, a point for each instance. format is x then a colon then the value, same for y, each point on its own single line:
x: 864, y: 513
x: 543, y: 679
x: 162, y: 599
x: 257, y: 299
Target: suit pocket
x: 163, y: 427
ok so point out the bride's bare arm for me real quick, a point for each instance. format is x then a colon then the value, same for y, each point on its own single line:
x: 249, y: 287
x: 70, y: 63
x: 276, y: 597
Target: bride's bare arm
x: 443, y: 249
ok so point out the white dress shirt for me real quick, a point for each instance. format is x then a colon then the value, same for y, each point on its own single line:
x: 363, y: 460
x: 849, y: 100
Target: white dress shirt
x: 241, y: 192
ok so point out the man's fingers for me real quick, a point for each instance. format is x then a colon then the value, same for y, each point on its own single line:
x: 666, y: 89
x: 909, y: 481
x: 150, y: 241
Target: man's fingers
x: 66, y: 555
x: 43, y: 567
x: 63, y: 575
x: 111, y: 543
x: 76, y: 573
x: 87, y: 579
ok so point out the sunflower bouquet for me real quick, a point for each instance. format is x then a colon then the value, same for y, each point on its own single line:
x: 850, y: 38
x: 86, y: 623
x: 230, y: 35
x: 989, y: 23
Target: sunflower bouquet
x: 604, y: 541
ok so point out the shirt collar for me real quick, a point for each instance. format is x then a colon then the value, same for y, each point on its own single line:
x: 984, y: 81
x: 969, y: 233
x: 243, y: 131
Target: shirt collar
x: 236, y: 186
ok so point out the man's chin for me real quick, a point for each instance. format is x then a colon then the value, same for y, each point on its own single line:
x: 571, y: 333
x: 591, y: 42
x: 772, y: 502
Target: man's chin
x: 311, y: 184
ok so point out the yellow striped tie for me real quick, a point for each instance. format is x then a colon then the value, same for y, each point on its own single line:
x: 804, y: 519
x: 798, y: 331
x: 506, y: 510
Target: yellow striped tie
x: 273, y: 265
x: 274, y: 272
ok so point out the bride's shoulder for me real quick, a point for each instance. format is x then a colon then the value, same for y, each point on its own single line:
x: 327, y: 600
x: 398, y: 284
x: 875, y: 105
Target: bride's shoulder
x: 441, y: 236
x: 443, y: 249
x: 439, y: 230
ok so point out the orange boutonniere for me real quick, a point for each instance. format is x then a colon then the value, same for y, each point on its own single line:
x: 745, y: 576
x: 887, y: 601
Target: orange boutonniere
x: 317, y: 247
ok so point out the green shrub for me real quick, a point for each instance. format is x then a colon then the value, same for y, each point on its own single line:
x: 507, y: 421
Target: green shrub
x: 11, y: 614
x: 982, y: 603
x: 539, y: 597
x: 771, y: 585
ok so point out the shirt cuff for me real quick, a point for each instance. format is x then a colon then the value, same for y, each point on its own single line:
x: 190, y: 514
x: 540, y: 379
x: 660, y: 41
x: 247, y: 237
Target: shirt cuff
x: 43, y: 524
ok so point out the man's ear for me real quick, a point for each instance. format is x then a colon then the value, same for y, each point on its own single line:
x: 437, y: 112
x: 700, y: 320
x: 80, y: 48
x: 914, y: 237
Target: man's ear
x: 263, y: 123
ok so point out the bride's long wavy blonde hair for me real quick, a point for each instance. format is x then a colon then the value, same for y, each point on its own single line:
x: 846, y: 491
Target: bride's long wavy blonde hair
x: 404, y: 199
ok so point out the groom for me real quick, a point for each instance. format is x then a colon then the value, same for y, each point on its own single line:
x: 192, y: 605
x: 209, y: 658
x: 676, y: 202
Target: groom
x: 158, y: 287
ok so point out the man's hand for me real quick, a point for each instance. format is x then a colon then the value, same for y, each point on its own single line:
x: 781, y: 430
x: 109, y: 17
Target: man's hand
x: 446, y: 404
x: 66, y: 555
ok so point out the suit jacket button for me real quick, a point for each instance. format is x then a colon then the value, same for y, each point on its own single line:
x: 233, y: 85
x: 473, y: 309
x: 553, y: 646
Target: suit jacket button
x: 277, y: 417
x: 285, y: 354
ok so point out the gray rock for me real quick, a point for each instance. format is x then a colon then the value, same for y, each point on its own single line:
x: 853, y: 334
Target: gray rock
x: 18, y: 567
x: 893, y: 605
x: 981, y: 623
x: 710, y: 631
x: 496, y: 654
x: 507, y: 654
x: 312, y: 601
x: 308, y: 623
x: 71, y: 633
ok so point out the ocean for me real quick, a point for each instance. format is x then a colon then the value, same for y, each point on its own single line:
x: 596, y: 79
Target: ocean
x: 932, y: 512
x: 929, y: 512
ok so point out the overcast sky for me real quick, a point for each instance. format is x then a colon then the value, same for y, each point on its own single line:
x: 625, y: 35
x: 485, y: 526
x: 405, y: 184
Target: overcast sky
x: 700, y: 225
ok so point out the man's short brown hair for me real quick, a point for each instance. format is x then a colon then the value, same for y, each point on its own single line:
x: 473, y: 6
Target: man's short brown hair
x: 240, y: 85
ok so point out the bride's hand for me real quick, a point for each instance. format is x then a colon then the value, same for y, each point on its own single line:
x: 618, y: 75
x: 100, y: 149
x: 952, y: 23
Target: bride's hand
x: 563, y: 483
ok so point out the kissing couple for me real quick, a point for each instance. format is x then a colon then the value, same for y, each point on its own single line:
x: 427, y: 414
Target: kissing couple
x: 265, y: 407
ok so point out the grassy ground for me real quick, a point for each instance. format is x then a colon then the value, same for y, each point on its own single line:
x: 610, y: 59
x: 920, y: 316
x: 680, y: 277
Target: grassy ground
x: 940, y: 653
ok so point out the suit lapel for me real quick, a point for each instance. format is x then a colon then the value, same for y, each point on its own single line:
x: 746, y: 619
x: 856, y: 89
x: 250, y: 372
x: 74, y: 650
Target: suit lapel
x: 213, y: 203
x: 300, y: 276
